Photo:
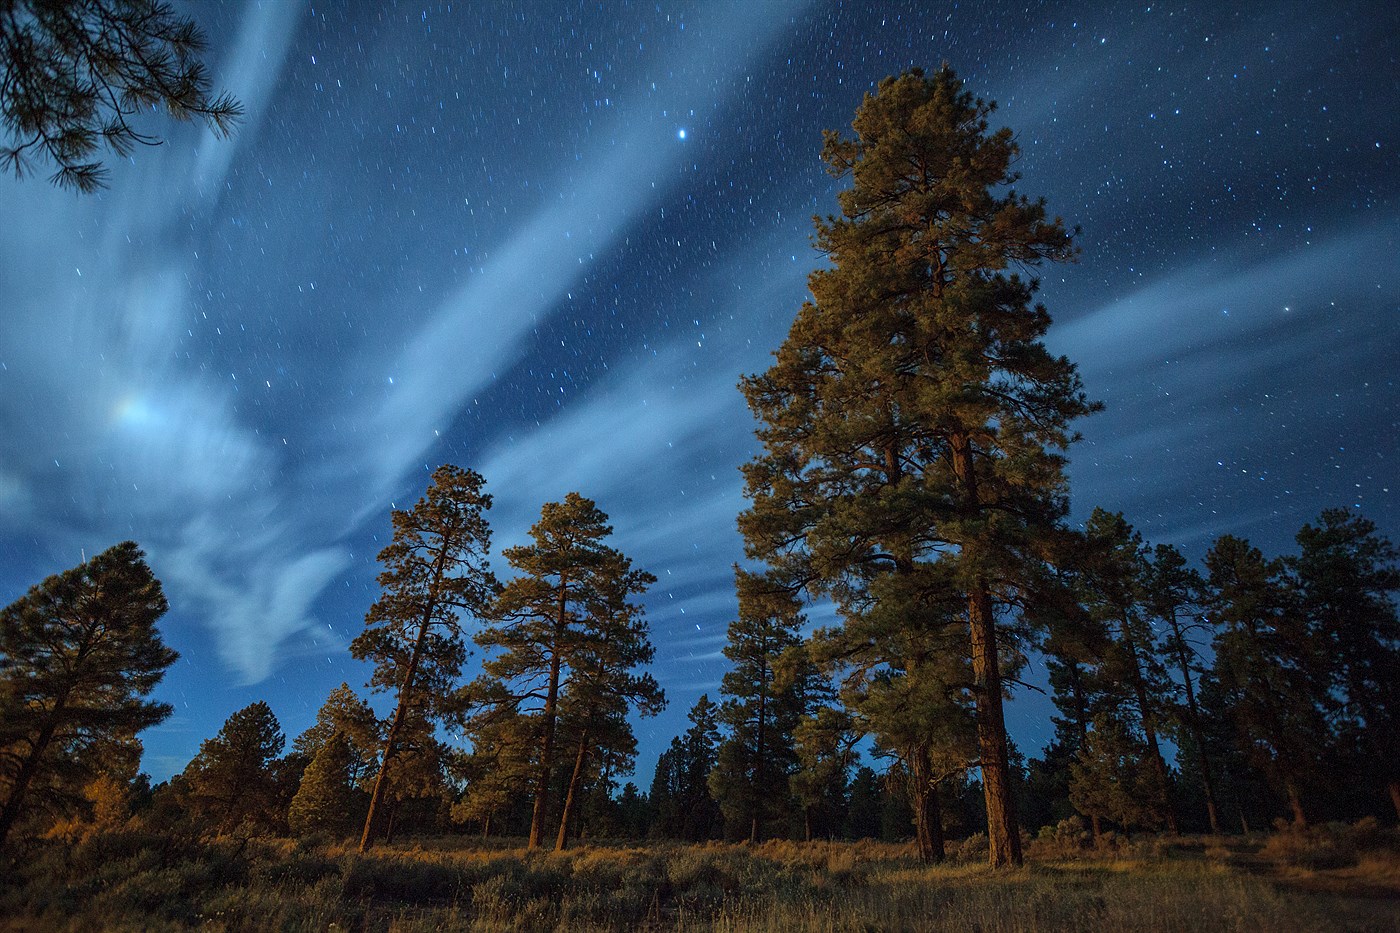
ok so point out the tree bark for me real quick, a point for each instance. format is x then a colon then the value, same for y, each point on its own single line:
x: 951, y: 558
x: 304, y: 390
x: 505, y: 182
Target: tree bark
x: 1394, y: 788
x: 571, y: 797
x: 1003, y: 833
x: 928, y: 816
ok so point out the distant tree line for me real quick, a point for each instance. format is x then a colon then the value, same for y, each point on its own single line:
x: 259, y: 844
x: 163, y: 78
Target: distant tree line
x: 911, y: 484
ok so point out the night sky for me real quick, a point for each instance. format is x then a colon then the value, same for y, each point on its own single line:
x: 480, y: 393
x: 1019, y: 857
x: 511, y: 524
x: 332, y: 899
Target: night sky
x: 544, y: 241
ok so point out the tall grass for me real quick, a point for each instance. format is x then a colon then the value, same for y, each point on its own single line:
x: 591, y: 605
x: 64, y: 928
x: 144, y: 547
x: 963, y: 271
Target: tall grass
x: 139, y: 881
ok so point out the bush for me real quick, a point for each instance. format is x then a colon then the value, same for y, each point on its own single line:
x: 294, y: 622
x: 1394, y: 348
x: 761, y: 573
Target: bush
x: 1066, y: 839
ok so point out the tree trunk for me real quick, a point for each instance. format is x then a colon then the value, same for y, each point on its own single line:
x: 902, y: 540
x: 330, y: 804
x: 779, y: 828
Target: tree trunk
x: 15, y: 803
x: 1096, y: 824
x: 551, y: 702
x: 1193, y: 714
x: 486, y: 828
x: 1003, y: 833
x: 1295, y: 803
x: 571, y: 797
x: 807, y: 824
x: 1394, y: 799
x: 394, y: 808
x: 1149, y: 730
x: 928, y: 816
x: 376, y: 799
x: 1244, y: 822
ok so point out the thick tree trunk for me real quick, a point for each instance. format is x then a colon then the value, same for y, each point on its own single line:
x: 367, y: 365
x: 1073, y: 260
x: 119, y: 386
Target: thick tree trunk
x: 571, y: 797
x: 1394, y: 799
x: 14, y: 805
x: 1003, y: 833
x: 928, y: 821
x: 551, y: 703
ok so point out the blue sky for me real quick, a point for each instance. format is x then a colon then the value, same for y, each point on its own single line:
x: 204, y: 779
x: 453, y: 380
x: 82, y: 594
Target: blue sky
x: 545, y: 240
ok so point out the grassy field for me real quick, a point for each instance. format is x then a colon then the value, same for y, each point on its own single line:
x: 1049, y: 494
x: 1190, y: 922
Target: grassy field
x: 1331, y: 878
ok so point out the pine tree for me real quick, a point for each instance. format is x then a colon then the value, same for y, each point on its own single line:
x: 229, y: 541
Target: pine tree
x: 750, y: 778
x: 435, y: 570
x: 825, y: 745
x: 1268, y: 667
x: 1347, y: 577
x: 502, y: 760
x: 231, y: 782
x: 1108, y: 780
x: 680, y: 800
x: 345, y: 715
x: 913, y: 413
x: 78, y: 655
x: 903, y: 674
x: 863, y: 811
x: 71, y: 74
x: 1112, y: 586
x: 564, y: 624
x: 326, y: 801
x: 1173, y: 593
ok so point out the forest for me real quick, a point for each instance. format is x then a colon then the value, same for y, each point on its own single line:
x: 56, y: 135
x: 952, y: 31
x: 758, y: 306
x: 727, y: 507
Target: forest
x: 1227, y: 734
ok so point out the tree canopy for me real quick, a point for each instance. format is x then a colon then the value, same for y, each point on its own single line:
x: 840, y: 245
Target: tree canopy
x: 73, y: 74
x: 913, y: 414
x: 79, y: 654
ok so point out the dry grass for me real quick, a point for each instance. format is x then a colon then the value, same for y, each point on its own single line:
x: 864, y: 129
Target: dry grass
x: 1333, y: 878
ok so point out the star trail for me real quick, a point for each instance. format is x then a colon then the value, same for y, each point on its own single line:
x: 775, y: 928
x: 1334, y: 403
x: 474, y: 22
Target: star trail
x: 545, y: 240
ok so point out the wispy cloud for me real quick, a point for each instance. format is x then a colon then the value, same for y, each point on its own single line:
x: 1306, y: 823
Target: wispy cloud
x: 116, y: 430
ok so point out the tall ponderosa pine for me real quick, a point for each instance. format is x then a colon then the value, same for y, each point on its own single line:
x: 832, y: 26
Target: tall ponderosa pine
x: 604, y: 684
x: 78, y: 655
x: 564, y: 621
x: 435, y: 571
x: 913, y: 413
